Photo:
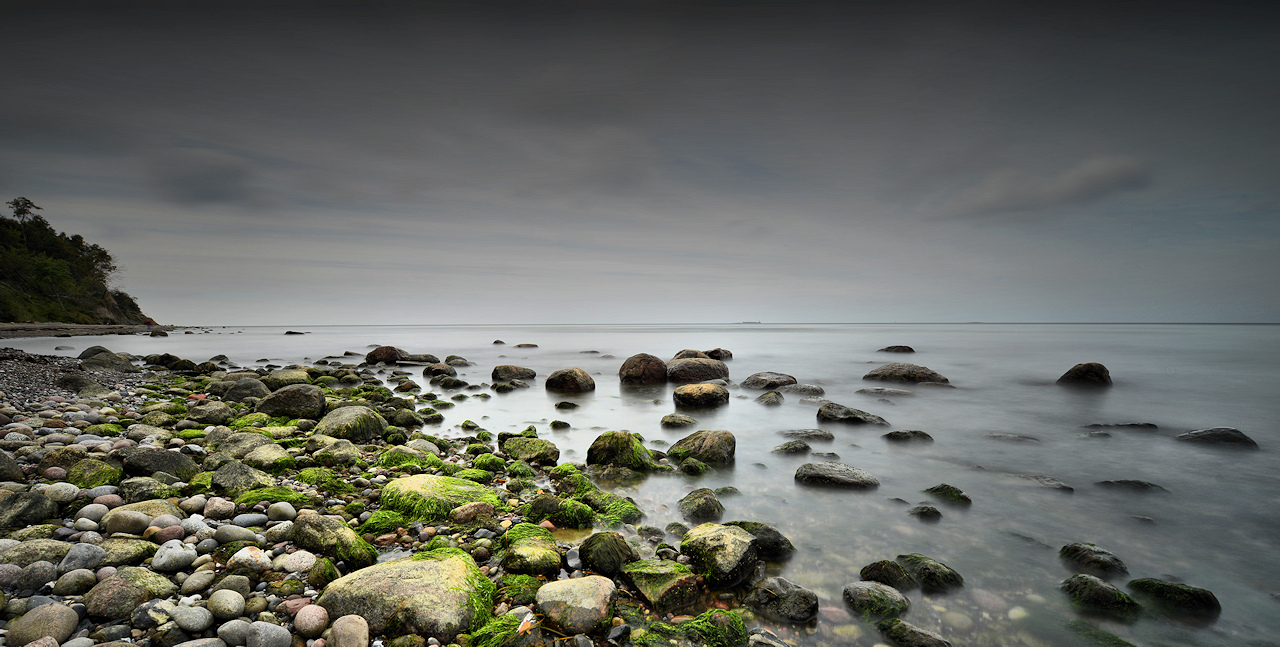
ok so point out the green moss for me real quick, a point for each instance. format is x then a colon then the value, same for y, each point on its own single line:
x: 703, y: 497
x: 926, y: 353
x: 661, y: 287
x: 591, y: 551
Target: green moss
x: 277, y: 495
x: 517, y: 486
x: 522, y: 589
x: 201, y: 483
x: 427, y: 498
x: 223, y: 553
x: 950, y: 494
x: 191, y: 434
x: 441, y: 404
x: 250, y: 420
x: 484, y: 435
x: 324, y: 479
x: 520, y: 469
x: 715, y: 628
x: 564, y: 513
x: 358, y: 552
x: 90, y: 473
x: 489, y: 463
x: 382, y: 522
x: 1095, y: 636
x: 499, y: 632
x: 291, y: 443
x: 1178, y: 596
x: 476, y: 449
x: 354, y: 508
x: 105, y: 429
x: 401, y: 456
x: 480, y: 601
x: 522, y: 531
x: 479, y: 476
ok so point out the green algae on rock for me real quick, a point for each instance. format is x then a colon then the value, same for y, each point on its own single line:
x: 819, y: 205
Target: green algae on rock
x: 427, y: 497
x: 530, y: 549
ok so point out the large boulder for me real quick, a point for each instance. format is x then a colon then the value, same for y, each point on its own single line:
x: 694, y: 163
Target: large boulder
x: 833, y: 474
x: 1087, y: 558
x: 235, y: 478
x: 107, y: 361
x: 26, y: 508
x: 1226, y: 436
x: 358, y: 424
x: 530, y: 549
x: 700, y: 395
x: 723, y: 555
x: 282, y: 377
x: 294, y: 401
x: 875, y: 600
x: 145, y: 461
x: 622, y: 449
x: 696, y: 369
x: 508, y: 372
x: 643, y: 369
x: 117, y: 596
x: 1180, y: 597
x: 1088, y: 374
x: 711, y: 446
x: 665, y: 584
x: 933, y: 575
x: 430, y: 497
x: 440, y: 593
x: 531, y: 450
x: 607, y: 553
x: 386, y: 355
x: 570, y: 380
x: 211, y: 412
x: 245, y: 388
x: 9, y: 469
x: 833, y: 412
x: 768, y: 381
x: 238, y: 445
x: 54, y: 620
x: 332, y: 538
x: 577, y: 606
x: 1095, y: 594
x: 909, y: 373
x: 700, y: 505
x: 905, y: 634
x: 771, y: 545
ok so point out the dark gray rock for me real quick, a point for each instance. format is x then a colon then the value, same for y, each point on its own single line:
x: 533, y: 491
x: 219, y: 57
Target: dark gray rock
x: 701, y: 505
x: 294, y: 401
x: 781, y: 600
x: 1225, y: 436
x: 909, y: 373
x: 643, y: 369
x: 833, y: 412
x: 768, y: 380
x: 832, y: 474
x: 1088, y: 374
x: 1092, y: 593
x: 1088, y: 558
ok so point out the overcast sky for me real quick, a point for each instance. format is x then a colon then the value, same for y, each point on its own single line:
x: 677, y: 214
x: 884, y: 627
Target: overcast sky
x: 604, y: 162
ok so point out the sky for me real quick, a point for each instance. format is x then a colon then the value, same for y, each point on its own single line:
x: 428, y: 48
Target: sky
x: 653, y: 162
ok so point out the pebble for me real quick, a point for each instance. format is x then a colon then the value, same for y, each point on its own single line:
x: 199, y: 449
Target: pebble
x: 226, y: 604
x: 1018, y: 613
x: 311, y: 621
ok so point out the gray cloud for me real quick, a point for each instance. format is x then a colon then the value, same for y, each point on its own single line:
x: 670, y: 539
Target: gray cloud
x: 1011, y: 190
x: 198, y: 176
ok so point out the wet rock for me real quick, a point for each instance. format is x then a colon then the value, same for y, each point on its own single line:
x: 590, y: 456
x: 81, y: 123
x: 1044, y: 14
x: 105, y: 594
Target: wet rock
x: 949, y: 494
x: 146, y: 461
x: 833, y: 412
x: 436, y: 594
x: 1088, y: 558
x: 711, y: 446
x: 724, y: 555
x: 696, y: 369
x: 700, y: 395
x: 643, y: 369
x: 908, y: 373
x: 904, y: 634
x: 771, y: 545
x: 1225, y: 436
x: 792, y: 447
x: 385, y: 355
x: 933, y: 576
x: 578, y: 605
x: 1178, y: 596
x: 530, y: 549
x: 607, y: 553
x: 701, y: 505
x: 1131, y: 485
x: 294, y: 401
x: 1092, y: 593
x: 665, y: 584
x: 357, y: 424
x: 832, y: 474
x: 908, y: 436
x: 884, y: 392
x: 768, y: 381
x: 53, y: 620
x: 803, y: 389
x: 508, y: 372
x: 896, y: 349
x: 781, y: 600
x: 26, y: 508
x: 678, y: 420
x: 872, y: 600
x: 118, y: 595
x: 808, y: 434
x: 925, y: 513
x: 333, y: 538
x: 721, y: 354
x: 1088, y: 374
x: 621, y: 449
x: 570, y: 380
x: 889, y: 573
x: 771, y: 399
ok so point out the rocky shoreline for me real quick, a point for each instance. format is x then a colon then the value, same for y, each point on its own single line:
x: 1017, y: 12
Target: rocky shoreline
x: 11, y: 330
x: 159, y: 502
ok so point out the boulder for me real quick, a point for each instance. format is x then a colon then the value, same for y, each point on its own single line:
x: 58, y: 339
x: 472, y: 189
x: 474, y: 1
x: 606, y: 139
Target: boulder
x: 440, y: 368
x: 768, y: 381
x: 904, y: 634
x: 890, y: 574
x: 700, y: 505
x: 26, y: 508
x: 678, y: 420
x: 1087, y: 558
x: 711, y: 446
x: 9, y: 469
x: 700, y: 395
x: 294, y: 401
x: 439, y: 593
x: 532, y: 450
x: 771, y: 545
x: 607, y: 553
x: 771, y: 399
x: 530, y: 549
x: 333, y: 538
x: 781, y: 600
x: 622, y: 449
x: 429, y: 497
x: 1226, y: 436
x: 577, y: 606
x: 508, y: 372
x: 107, y: 361
x: 238, y: 445
x: 1180, y: 597
x: 145, y: 461
x: 282, y: 377
x: 874, y: 600
x: 358, y: 424
x: 933, y: 575
x: 690, y: 353
x: 35, y: 550
x: 53, y: 620
x: 643, y: 369
x: 896, y: 349
x: 235, y: 478
x: 570, y: 380
x: 696, y: 369
x: 722, y: 354
x: 833, y: 412
x: 909, y: 373
x: 833, y: 474
x: 91, y: 473
x: 665, y: 584
x: 117, y: 596
x: 1089, y: 374
x: 723, y: 555
x: 386, y: 355
x: 210, y: 412
x: 1094, y: 594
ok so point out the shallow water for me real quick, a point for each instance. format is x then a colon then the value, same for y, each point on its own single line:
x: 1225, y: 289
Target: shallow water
x: 1217, y: 527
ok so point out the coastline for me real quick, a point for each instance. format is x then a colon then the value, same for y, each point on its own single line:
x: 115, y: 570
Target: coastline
x: 58, y: 329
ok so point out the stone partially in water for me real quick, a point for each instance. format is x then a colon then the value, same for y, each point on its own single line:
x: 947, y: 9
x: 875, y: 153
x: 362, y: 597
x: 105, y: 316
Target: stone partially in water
x: 1178, y: 596
x: 1226, y: 436
x: 934, y: 576
x: 908, y: 373
x: 781, y: 600
x: 768, y: 381
x: 872, y: 600
x: 889, y: 573
x: 1092, y: 593
x: 832, y: 412
x: 908, y: 635
x: 1087, y: 374
x: 832, y: 474
x: 1088, y: 558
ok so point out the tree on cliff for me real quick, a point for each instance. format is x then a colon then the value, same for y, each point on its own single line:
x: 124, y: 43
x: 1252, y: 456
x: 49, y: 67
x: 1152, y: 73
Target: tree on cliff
x: 46, y: 275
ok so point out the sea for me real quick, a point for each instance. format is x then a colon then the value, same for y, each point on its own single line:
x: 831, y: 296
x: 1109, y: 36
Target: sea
x: 1216, y: 525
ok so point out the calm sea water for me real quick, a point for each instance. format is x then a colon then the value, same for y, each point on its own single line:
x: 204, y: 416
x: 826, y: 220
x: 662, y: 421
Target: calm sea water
x: 1217, y: 527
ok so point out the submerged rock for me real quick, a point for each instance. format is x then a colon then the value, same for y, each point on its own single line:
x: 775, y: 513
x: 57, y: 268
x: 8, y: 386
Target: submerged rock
x: 781, y: 600
x: 701, y: 505
x: 1094, y: 594
x: 1088, y: 374
x: 1178, y: 596
x: 934, y: 576
x: 890, y: 574
x: 1089, y: 558
x: 872, y: 600
x: 1130, y: 484
x: 833, y: 412
x: 908, y: 635
x: 1226, y: 436
x: 909, y: 373
x: 832, y: 474
x: 908, y: 436
x: 896, y: 349
x: 643, y: 369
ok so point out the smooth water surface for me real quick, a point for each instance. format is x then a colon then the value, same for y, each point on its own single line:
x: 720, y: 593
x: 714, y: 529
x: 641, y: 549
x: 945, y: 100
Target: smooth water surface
x: 1217, y: 526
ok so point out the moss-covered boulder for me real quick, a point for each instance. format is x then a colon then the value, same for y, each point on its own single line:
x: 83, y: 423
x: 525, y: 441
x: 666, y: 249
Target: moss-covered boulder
x: 781, y: 600
x: 145, y: 488
x: 284, y: 377
x: 531, y: 450
x: 724, y: 555
x: 577, y: 605
x: 438, y: 593
x: 298, y: 400
x: 123, y: 551
x: 570, y: 380
x: 700, y: 505
x: 91, y: 473
x: 890, y: 574
x: 1179, y: 597
x: 665, y: 584
x: 338, y: 453
x: 905, y: 634
x: 622, y: 449
x: 429, y: 497
x: 933, y: 575
x: 1095, y: 594
x: 530, y: 549
x: 606, y: 553
x: 357, y: 424
x: 1088, y: 558
x: 35, y: 550
x: 874, y: 600
x: 949, y: 494
x: 270, y: 458
x: 564, y: 513
x: 771, y: 545
x: 711, y: 446
x: 333, y: 538
x: 235, y: 478
x: 238, y: 445
x: 714, y: 628
x: 613, y: 509
x: 118, y: 596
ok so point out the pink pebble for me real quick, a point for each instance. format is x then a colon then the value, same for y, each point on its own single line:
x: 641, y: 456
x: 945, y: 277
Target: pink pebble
x: 110, y: 500
x: 105, y: 572
x: 546, y: 523
x: 55, y: 474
